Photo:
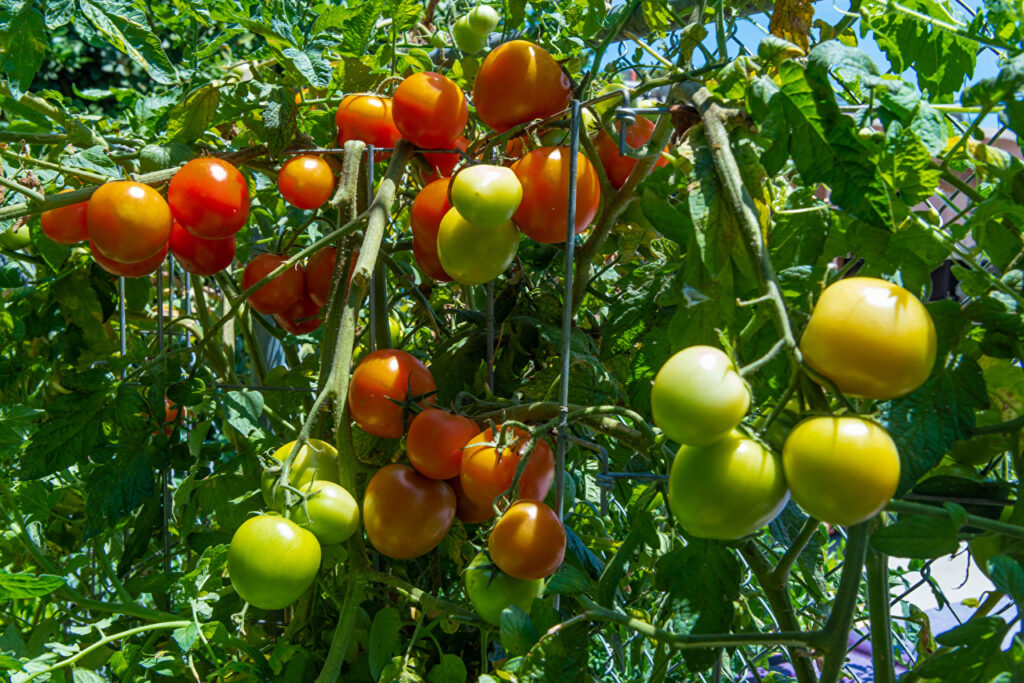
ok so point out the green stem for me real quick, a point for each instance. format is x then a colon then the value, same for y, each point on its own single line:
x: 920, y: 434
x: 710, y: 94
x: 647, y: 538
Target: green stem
x: 785, y: 566
x: 21, y: 189
x: 844, y: 606
x: 905, y: 507
x: 66, y: 170
x: 884, y: 664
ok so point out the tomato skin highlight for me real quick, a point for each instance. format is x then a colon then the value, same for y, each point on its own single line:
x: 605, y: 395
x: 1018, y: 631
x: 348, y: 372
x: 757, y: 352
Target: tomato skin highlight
x: 272, y: 561
x: 617, y: 166
x: 381, y: 376
x: 367, y: 118
x: 333, y: 512
x: 528, y: 542
x: 727, y: 489
x: 698, y: 396
x: 316, y: 461
x: 66, y: 225
x: 425, y: 215
x: 282, y: 292
x: 490, y: 590
x: 842, y: 470
x: 472, y: 255
x: 544, y: 212
x: 137, y: 269
x: 210, y: 198
x: 430, y: 110
x: 200, y: 256
x: 486, y: 474
x: 435, y: 441
x: 306, y: 181
x: 302, y: 318
x: 466, y: 510
x: 872, y: 338
x: 128, y: 221
x: 406, y: 514
x: 518, y: 82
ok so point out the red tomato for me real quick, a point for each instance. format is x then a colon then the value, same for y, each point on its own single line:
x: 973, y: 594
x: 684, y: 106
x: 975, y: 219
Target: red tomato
x: 528, y: 542
x: 405, y: 514
x: 66, y: 225
x: 128, y: 222
x: 544, y: 211
x: 381, y: 376
x: 430, y: 110
x: 465, y: 509
x: 302, y: 318
x: 210, y: 198
x: 429, y: 207
x: 201, y: 256
x: 435, y: 442
x: 486, y: 474
x: 617, y: 166
x: 281, y: 293
x: 443, y: 163
x: 519, y: 82
x: 367, y: 118
x: 170, y: 415
x: 306, y: 181
x: 319, y: 273
x: 137, y: 269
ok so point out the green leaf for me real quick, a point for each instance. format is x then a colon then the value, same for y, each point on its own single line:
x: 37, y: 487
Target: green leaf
x: 119, y: 485
x: 26, y: 585
x: 383, y: 639
x: 568, y: 580
x: 515, y: 13
x: 715, y: 225
x: 242, y: 410
x: 1008, y: 576
x: 518, y: 634
x: 72, y: 433
x: 124, y: 25
x: 451, y: 669
x: 190, y: 118
x: 59, y: 12
x: 312, y: 65
x: 974, y: 658
x: 404, y: 14
x: 917, y: 536
x: 23, y: 43
x: 1002, y: 87
x: 81, y: 306
x: 908, y: 167
x: 54, y: 254
x: 279, y: 118
x: 557, y: 657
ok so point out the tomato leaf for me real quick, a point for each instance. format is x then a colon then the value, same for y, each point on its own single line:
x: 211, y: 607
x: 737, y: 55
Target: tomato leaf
x: 451, y: 669
x: 23, y: 44
x: 242, y: 410
x: 917, y: 536
x: 518, y: 634
x: 189, y: 119
x: 383, y: 639
x: 26, y: 585
x: 125, y: 26
x: 557, y: 657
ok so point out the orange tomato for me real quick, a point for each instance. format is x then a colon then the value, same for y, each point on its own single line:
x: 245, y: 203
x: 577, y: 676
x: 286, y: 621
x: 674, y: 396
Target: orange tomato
x: 210, y: 198
x: 430, y: 110
x: 487, y: 473
x: 66, y: 225
x: 367, y: 118
x: 306, y: 181
x: 435, y: 442
x: 429, y: 207
x: 404, y: 513
x: 279, y: 294
x: 465, y: 509
x: 544, y: 211
x: 528, y: 542
x: 128, y: 222
x: 138, y: 269
x: 617, y: 166
x: 382, y: 377
x: 519, y: 82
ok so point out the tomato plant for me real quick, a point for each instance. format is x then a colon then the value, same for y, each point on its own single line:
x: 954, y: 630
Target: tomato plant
x: 210, y: 198
x: 619, y: 166
x: 473, y: 255
x: 330, y: 512
x: 136, y: 269
x: 272, y: 561
x: 544, y: 174
x: 490, y: 590
x: 435, y: 442
x: 486, y: 195
x: 306, y: 181
x: 367, y: 118
x: 406, y: 514
x: 66, y: 225
x: 382, y: 378
x: 518, y: 82
x: 425, y: 215
x: 279, y: 293
x: 200, y: 256
x: 128, y: 222
x: 528, y: 542
x: 488, y: 471
x: 430, y: 110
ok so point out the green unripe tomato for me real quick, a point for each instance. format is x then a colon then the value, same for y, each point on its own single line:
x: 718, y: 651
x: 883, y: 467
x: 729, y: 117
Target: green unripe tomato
x: 486, y: 195
x: 15, y: 239
x: 698, y: 397
x: 726, y: 490
x: 272, y: 561
x: 466, y: 39
x: 490, y: 590
x: 316, y: 460
x: 605, y: 106
x: 483, y: 19
x: 473, y: 255
x: 438, y: 40
x: 333, y: 512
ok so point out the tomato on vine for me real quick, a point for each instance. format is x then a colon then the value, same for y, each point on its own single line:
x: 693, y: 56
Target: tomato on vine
x: 425, y: 215
x: 329, y: 511
x: 210, y: 198
x: 490, y: 590
x: 528, y: 542
x: 381, y: 378
x: 128, y: 221
x: 367, y: 118
x: 472, y: 255
x: 280, y: 293
x: 430, y: 110
x: 306, y: 181
x: 137, y: 269
x: 272, y: 561
x: 316, y: 461
x: 406, y: 514
x: 519, y: 82
x: 200, y: 256
x: 618, y: 166
x: 488, y: 471
x: 435, y: 442
x: 67, y: 224
x: 544, y: 212
x: 487, y: 196
x: 301, y: 318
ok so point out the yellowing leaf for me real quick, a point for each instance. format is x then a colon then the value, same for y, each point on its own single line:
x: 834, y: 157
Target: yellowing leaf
x: 791, y: 20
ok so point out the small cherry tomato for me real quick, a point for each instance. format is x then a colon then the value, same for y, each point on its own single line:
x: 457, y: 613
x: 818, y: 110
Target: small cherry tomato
x: 483, y: 19
x: 544, y: 212
x: 201, y: 256
x: 302, y: 318
x: 519, y: 82
x: 137, y: 269
x: 528, y: 542
x: 210, y: 198
x: 472, y: 255
x: 128, y: 222
x: 272, y: 561
x: 466, y: 39
x: 382, y: 377
x: 487, y: 473
x: 486, y: 195
x: 430, y: 110
x: 435, y: 440
x: 465, y: 509
x: 367, y: 118
x: 617, y: 166
x: 429, y: 207
x: 277, y: 295
x: 406, y: 514
x: 306, y: 181
x: 66, y: 225
x: 333, y: 514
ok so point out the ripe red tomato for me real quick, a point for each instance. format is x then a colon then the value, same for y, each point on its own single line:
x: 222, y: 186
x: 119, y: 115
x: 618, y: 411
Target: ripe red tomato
x: 381, y: 376
x: 66, y: 225
x: 302, y: 318
x: 486, y: 473
x: 406, y: 514
x: 137, y: 269
x: 367, y: 118
x: 443, y: 163
x: 617, y: 166
x: 435, y: 442
x: 210, y: 198
x: 430, y: 110
x: 519, y: 82
x: 319, y: 272
x: 128, y: 222
x: 465, y: 509
x: 528, y: 542
x: 429, y: 207
x: 281, y: 293
x: 306, y: 181
x: 544, y: 211
x: 201, y: 256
